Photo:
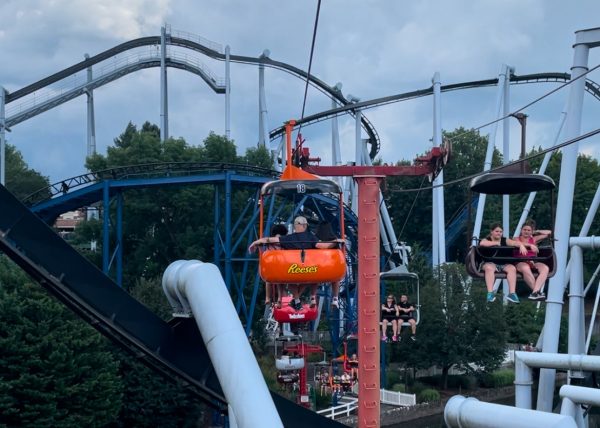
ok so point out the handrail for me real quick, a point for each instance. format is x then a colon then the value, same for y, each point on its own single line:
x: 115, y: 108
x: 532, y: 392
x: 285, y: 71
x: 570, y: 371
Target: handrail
x: 341, y: 409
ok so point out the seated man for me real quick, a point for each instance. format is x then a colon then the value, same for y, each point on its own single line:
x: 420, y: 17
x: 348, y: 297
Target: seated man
x: 300, y: 239
x: 406, y: 310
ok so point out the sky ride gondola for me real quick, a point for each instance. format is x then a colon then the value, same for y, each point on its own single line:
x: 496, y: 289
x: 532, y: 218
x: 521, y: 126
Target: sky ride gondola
x: 513, y: 179
x: 403, y: 281
x: 286, y: 357
x: 300, y: 264
x: 287, y: 314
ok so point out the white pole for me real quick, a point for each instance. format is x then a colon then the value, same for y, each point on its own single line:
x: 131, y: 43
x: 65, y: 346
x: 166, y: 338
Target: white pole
x: 438, y: 217
x: 2, y: 137
x: 227, y: 93
x: 490, y: 150
x: 562, y: 227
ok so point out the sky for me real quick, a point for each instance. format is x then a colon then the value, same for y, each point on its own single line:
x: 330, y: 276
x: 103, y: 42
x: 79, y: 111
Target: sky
x: 374, y: 48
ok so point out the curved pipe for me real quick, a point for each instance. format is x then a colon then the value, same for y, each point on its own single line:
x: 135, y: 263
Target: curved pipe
x: 200, y: 287
x: 462, y: 412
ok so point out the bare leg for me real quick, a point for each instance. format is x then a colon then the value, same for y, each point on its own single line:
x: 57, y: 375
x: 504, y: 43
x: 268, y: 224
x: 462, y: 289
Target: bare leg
x: 268, y: 292
x: 490, y: 277
x: 384, y: 324
x: 528, y: 277
x: 313, y: 295
x: 335, y: 289
x: 543, y: 271
x: 511, y: 277
x: 413, y: 326
x: 395, y: 327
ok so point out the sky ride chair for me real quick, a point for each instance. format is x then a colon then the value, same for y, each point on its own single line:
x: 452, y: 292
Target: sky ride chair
x: 406, y: 283
x: 300, y: 266
x: 512, y: 179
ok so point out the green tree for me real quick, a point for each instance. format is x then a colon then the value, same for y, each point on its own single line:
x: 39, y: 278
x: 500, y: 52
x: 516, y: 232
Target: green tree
x: 54, y: 369
x: 21, y: 180
x: 457, y: 327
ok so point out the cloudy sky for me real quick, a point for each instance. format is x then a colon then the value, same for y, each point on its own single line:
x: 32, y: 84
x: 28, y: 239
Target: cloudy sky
x: 373, y: 47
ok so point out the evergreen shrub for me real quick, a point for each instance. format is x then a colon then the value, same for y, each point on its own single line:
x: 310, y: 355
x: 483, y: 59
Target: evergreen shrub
x: 428, y: 396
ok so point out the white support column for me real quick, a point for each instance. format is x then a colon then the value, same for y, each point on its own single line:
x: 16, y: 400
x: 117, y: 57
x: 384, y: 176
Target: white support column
x: 91, y: 120
x: 576, y: 310
x: 505, y: 160
x: 336, y: 156
x: 357, y: 150
x: 227, y: 93
x: 439, y: 217
x: 584, y: 40
x: 2, y: 136
x: 263, y: 133
x: 164, y: 103
x: 490, y: 149
x: 506, y: 148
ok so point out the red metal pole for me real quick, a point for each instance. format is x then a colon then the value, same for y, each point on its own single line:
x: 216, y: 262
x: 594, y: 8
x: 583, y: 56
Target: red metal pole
x: 303, y: 397
x: 368, y: 301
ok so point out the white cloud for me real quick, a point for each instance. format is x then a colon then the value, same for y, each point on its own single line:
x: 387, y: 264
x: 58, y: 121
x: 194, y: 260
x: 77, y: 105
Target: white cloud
x: 375, y: 48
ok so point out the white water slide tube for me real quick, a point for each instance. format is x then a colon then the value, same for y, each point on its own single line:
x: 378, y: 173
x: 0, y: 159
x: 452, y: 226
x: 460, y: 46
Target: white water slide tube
x: 200, y: 287
x: 462, y: 412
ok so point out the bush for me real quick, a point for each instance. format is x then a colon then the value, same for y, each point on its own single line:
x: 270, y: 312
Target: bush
x: 398, y: 387
x: 497, y: 379
x: 428, y: 396
x: 467, y: 382
x: 323, y: 401
x: 392, y: 377
x: 417, y: 387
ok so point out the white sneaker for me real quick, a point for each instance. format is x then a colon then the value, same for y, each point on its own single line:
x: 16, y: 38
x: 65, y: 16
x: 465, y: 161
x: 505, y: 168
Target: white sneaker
x: 335, y: 303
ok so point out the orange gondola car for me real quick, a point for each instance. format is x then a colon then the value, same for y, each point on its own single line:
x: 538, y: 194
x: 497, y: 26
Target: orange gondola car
x: 308, y: 266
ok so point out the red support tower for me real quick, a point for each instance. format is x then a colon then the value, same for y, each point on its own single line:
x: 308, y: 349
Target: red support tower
x: 369, y: 179
x: 368, y: 301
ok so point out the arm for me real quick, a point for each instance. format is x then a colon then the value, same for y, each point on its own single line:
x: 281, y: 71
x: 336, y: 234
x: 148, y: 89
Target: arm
x: 261, y: 241
x: 540, y: 235
x: 329, y: 244
x: 521, y: 246
x: 488, y: 243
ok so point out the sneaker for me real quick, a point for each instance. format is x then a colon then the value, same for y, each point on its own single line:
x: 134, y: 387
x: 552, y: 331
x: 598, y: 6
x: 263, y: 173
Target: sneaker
x: 384, y: 338
x: 313, y: 301
x: 491, y: 297
x: 394, y: 338
x: 296, y: 305
x: 335, y: 303
x: 512, y: 297
x: 413, y: 338
x: 537, y: 295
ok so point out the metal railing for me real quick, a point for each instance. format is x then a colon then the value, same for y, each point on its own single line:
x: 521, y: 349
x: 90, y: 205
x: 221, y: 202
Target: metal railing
x: 397, y: 398
x: 340, y: 410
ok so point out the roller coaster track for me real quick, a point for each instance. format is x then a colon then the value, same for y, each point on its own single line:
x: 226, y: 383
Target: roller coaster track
x: 590, y: 86
x: 214, y: 51
x: 173, y: 348
x: 185, y: 40
x: 151, y: 170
